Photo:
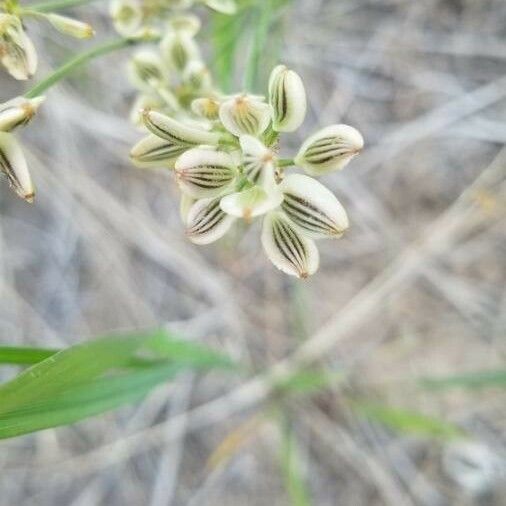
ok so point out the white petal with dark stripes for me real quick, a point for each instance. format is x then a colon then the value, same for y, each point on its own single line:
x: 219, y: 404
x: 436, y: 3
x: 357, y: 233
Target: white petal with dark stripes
x: 13, y: 167
x: 329, y: 149
x: 252, y: 202
x: 312, y: 207
x: 287, y: 248
x: 287, y: 97
x: 206, y: 222
x: 178, y: 49
x: 176, y: 132
x: 245, y: 114
x: 204, y: 173
x: 146, y: 69
x: 151, y: 151
x: 258, y: 162
x: 18, y: 112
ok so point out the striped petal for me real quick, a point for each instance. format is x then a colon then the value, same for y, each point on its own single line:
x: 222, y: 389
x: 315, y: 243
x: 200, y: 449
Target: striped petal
x: 151, y: 151
x: 178, y: 50
x: 206, y: 222
x: 252, y: 202
x: 146, y: 70
x: 187, y: 23
x: 203, y: 173
x: 287, y: 248
x: 17, y: 112
x: 244, y: 114
x: 13, y: 167
x: 258, y: 162
x: 127, y: 16
x: 287, y: 97
x: 206, y: 108
x: 329, y: 149
x: 312, y: 207
x: 176, y: 132
x: 197, y: 76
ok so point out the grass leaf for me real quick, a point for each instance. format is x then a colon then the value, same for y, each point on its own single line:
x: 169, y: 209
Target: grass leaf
x: 24, y: 356
x: 474, y: 380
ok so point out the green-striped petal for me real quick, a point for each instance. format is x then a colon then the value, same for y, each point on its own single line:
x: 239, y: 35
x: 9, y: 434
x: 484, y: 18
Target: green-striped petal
x: 151, y: 151
x: 245, y: 114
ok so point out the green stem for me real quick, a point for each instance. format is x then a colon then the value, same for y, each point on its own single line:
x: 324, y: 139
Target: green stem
x: 285, y: 162
x: 55, y: 5
x: 76, y: 62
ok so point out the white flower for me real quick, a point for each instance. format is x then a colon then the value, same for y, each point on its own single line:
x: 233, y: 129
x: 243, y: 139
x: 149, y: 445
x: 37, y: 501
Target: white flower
x: 178, y: 49
x: 70, y: 26
x: 287, y: 97
x: 329, y: 149
x: 13, y: 167
x: 197, y: 75
x: 174, y: 131
x: 206, y: 222
x: 151, y: 151
x: 17, y: 52
x: 17, y: 112
x: 146, y: 70
x: 204, y: 173
x: 127, y: 16
x: 251, y: 202
x: 288, y: 249
x: 258, y: 162
x: 312, y: 207
x: 206, y: 108
x: 245, y: 114
x: 185, y: 23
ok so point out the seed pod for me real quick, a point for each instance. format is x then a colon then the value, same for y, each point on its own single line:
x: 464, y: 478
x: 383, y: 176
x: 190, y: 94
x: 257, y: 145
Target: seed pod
x: 176, y: 132
x: 207, y: 108
x: 146, y: 70
x: 258, y: 162
x: 252, y: 202
x: 17, y: 52
x: 127, y: 16
x: 70, y: 26
x: 178, y: 50
x: 329, y: 149
x: 206, y: 222
x: 287, y: 248
x: 17, y: 112
x: 223, y: 6
x: 287, y: 97
x: 245, y: 114
x: 13, y: 167
x: 151, y: 151
x: 185, y: 23
x: 312, y: 207
x: 204, y: 173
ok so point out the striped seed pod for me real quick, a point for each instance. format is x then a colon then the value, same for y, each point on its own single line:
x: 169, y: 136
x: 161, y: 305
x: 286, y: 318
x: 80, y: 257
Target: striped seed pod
x: 18, y: 112
x: 151, y: 151
x: 288, y: 249
x: 176, y: 132
x: 312, y: 207
x: 17, y: 52
x: 206, y: 222
x: 204, y: 173
x: 13, y: 167
x: 287, y: 97
x: 329, y: 149
x: 245, y: 114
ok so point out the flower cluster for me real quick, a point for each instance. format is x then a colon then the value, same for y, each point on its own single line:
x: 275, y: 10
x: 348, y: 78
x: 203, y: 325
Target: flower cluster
x: 226, y: 163
x: 13, y: 114
x: 17, y: 52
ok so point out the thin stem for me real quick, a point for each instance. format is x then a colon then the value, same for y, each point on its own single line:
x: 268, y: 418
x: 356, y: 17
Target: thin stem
x: 55, y: 5
x: 285, y: 162
x: 75, y: 63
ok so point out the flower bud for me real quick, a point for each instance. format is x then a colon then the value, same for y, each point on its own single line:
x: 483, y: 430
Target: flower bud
x: 204, y: 173
x: 258, y: 162
x: 127, y: 16
x: 178, y: 50
x: 185, y: 23
x: 176, y: 132
x: 287, y: 248
x: 329, y: 149
x: 312, y: 207
x: 146, y: 70
x: 17, y: 52
x: 17, y: 112
x: 207, y: 108
x: 13, y: 167
x: 252, y: 202
x: 206, y: 222
x: 223, y: 6
x: 197, y: 76
x: 151, y: 151
x: 70, y: 26
x: 245, y: 114
x: 287, y: 97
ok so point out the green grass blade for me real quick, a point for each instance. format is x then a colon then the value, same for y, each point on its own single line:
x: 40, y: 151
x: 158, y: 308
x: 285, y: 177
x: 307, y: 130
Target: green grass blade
x: 409, y: 422
x: 24, y: 356
x: 475, y: 380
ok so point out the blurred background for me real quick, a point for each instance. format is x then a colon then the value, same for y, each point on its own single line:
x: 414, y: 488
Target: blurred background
x: 415, y: 290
